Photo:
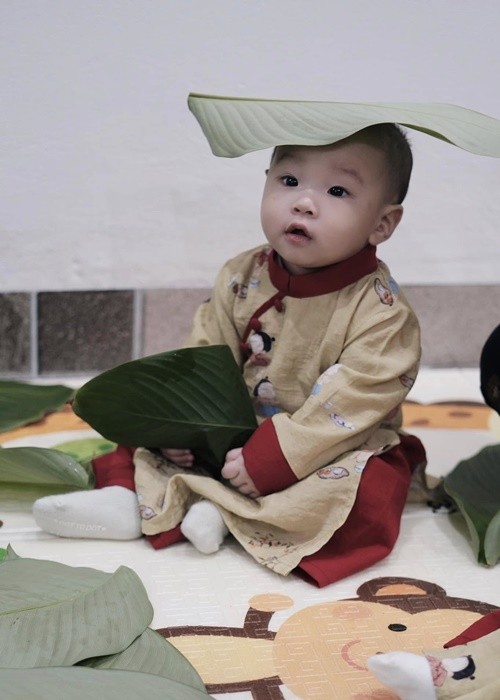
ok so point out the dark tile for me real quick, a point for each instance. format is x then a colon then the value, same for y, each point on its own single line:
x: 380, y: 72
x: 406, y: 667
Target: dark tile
x: 84, y: 331
x: 455, y: 321
x: 15, y: 332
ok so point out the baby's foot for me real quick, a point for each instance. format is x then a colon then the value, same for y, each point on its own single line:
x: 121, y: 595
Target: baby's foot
x: 110, y: 513
x: 204, y: 527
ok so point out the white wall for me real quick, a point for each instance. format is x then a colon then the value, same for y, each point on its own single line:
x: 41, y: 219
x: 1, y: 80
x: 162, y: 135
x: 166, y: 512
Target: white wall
x: 107, y: 181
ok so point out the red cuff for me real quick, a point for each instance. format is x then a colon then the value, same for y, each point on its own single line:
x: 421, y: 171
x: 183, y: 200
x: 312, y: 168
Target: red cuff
x: 265, y: 462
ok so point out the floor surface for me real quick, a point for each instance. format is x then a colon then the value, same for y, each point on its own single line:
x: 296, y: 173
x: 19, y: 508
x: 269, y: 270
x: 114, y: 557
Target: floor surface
x: 299, y: 641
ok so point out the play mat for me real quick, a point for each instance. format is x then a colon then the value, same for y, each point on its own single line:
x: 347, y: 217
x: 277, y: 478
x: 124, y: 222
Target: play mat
x: 253, y: 634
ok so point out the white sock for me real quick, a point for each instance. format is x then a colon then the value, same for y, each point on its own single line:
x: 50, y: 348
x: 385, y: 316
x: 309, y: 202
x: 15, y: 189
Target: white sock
x: 408, y: 675
x: 111, y: 513
x: 204, y: 527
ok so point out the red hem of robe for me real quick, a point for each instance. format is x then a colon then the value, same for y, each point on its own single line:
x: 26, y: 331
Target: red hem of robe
x: 368, y: 535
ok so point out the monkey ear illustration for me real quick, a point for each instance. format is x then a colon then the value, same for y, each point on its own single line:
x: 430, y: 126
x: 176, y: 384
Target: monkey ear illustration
x: 270, y: 602
x: 397, y: 591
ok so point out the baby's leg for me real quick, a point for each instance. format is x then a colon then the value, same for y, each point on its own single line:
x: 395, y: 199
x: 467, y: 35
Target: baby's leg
x: 204, y: 527
x: 110, y: 513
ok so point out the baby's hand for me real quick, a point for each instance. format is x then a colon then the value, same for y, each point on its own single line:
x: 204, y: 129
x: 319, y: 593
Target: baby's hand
x: 235, y: 471
x: 182, y: 458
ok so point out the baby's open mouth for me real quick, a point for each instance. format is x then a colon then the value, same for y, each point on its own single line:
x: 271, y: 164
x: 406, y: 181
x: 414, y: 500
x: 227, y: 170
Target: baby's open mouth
x: 297, y: 231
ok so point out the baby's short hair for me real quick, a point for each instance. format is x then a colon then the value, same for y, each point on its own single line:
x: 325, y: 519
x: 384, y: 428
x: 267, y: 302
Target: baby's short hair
x: 392, y: 140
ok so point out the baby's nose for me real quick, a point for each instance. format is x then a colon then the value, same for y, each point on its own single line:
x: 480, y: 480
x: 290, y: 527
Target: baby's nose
x: 305, y: 205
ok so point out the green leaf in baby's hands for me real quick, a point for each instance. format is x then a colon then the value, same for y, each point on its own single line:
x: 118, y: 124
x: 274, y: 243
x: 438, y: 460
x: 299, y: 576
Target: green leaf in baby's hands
x: 193, y: 398
x: 474, y: 485
x: 22, y: 403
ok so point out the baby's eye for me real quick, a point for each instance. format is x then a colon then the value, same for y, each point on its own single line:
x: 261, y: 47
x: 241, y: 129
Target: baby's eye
x: 337, y: 191
x: 289, y: 181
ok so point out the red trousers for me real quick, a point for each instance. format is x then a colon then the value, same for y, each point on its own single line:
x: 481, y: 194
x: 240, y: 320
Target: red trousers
x: 368, y: 535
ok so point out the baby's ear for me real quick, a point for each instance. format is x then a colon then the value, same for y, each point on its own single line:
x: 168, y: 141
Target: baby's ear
x: 391, y: 216
x: 408, y: 675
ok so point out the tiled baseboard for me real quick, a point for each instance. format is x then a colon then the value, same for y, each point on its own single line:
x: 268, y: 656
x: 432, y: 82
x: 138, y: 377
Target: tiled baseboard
x: 89, y: 331
x: 455, y: 321
x: 15, y: 333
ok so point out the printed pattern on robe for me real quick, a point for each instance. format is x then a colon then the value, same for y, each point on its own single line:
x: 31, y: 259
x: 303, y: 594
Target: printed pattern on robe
x: 260, y: 345
x: 265, y: 399
x: 326, y: 379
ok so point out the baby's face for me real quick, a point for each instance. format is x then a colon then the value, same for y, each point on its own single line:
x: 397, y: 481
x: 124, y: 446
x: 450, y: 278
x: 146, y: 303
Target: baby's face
x: 323, y: 204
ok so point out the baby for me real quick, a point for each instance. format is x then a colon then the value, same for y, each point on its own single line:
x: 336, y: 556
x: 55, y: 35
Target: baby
x: 328, y: 347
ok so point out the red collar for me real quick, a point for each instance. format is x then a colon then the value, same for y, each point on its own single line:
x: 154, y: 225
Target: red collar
x: 327, y: 279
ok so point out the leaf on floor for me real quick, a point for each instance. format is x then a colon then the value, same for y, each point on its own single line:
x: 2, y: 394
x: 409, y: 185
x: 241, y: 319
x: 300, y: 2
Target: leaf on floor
x: 22, y: 403
x: 474, y: 485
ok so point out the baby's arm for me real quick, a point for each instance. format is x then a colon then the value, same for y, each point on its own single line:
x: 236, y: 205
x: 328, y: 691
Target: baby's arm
x: 349, y: 402
x: 235, y: 471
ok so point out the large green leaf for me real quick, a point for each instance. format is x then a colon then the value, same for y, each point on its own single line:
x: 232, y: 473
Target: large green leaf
x: 234, y: 126
x: 191, y: 398
x: 474, y: 485
x: 42, y: 467
x: 151, y: 653
x: 56, y: 615
x: 78, y: 683
x: 22, y: 403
